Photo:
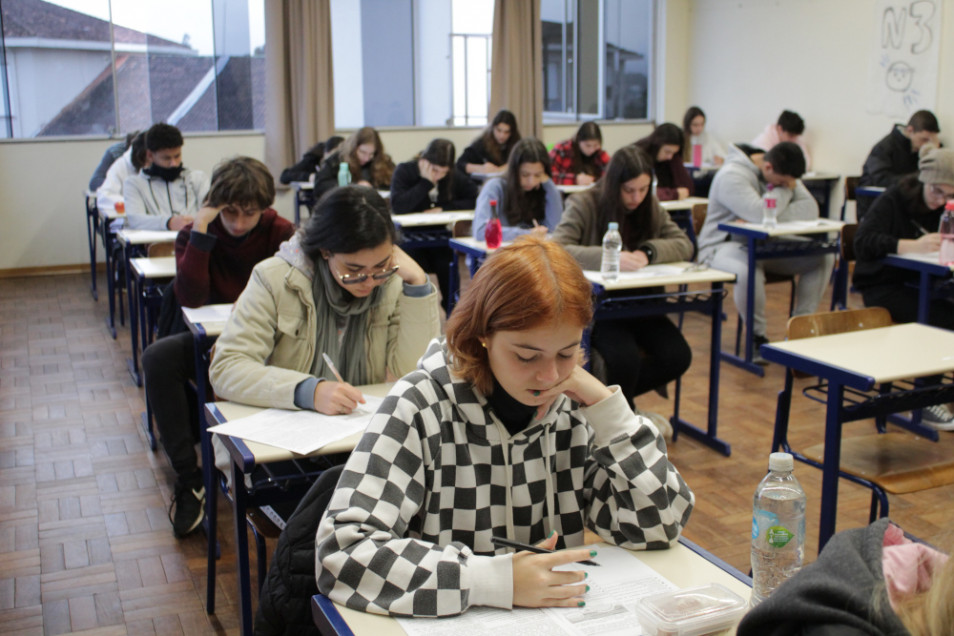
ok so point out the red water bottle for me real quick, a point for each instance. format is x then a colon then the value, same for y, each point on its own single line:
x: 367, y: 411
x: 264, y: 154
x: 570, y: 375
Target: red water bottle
x: 493, y: 233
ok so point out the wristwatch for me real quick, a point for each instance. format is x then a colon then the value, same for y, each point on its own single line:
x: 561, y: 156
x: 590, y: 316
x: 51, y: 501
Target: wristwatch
x: 648, y: 249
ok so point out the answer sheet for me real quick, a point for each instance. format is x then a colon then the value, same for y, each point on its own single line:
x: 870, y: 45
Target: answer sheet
x: 615, y: 587
x: 301, y: 432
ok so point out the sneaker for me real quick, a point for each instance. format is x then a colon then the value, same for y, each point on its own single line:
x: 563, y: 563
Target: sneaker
x: 938, y: 417
x: 758, y: 341
x: 661, y: 423
x: 189, y: 505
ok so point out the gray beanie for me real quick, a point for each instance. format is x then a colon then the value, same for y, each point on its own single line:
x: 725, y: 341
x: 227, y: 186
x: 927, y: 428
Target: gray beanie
x: 937, y: 167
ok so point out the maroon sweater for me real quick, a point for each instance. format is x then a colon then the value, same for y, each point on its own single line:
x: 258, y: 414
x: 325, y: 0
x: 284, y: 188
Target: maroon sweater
x: 215, y: 267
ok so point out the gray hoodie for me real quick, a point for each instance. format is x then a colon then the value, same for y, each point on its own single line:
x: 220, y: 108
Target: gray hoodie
x: 152, y: 201
x: 736, y: 194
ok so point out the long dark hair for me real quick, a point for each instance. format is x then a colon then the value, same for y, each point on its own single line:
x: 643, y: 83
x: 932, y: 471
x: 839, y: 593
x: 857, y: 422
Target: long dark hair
x: 692, y: 113
x: 521, y: 207
x: 626, y: 164
x: 664, y: 135
x: 441, y: 153
x: 347, y: 220
x: 588, y: 131
x: 495, y: 151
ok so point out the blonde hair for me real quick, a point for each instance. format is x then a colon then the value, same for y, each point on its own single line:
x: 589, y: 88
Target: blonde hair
x: 931, y: 612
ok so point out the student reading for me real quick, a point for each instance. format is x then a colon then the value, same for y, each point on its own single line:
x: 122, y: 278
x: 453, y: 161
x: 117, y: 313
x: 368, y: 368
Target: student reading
x: 488, y: 153
x: 527, y: 200
x: 341, y: 286
x: 641, y: 354
x: 664, y: 145
x: 368, y: 164
x: 499, y: 432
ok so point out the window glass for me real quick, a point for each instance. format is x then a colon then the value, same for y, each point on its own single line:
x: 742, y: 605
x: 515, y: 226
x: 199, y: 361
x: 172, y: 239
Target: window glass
x: 628, y: 26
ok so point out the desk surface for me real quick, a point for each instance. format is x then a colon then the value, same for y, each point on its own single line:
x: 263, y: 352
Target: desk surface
x: 679, y: 564
x: 872, y: 356
x: 211, y: 318
x: 264, y: 453
x: 789, y: 228
x: 308, y: 185
x: 159, y: 267
x: 573, y: 188
x: 145, y: 237
x: 930, y: 262
x: 820, y: 176
x: 423, y: 219
x: 682, y: 204
x: 681, y: 273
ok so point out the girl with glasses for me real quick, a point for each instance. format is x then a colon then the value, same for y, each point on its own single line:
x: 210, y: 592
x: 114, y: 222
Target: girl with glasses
x: 341, y: 286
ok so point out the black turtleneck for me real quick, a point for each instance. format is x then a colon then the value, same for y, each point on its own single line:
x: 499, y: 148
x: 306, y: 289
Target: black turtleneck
x: 514, y: 415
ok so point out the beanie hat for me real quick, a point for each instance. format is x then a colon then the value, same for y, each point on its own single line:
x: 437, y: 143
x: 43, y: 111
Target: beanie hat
x: 937, y: 167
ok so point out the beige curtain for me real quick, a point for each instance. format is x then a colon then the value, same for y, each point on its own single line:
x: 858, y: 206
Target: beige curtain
x: 299, y: 91
x: 516, y: 77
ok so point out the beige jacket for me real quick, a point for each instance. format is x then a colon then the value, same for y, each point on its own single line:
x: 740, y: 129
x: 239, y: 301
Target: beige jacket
x: 268, y: 345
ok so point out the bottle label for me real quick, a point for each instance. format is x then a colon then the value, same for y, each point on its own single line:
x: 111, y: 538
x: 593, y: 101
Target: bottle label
x: 767, y: 523
x: 778, y: 536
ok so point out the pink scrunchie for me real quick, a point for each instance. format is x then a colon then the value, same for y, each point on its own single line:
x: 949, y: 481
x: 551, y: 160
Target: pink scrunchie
x: 908, y: 566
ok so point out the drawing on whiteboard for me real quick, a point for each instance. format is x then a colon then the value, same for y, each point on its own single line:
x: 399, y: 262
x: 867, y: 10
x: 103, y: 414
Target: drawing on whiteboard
x: 899, y: 76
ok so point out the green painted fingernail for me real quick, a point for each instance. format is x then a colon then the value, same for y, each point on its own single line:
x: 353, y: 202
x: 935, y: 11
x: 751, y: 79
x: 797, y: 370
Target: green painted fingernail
x: 592, y: 553
x: 552, y: 532
x: 581, y: 604
x: 587, y: 588
x: 586, y: 575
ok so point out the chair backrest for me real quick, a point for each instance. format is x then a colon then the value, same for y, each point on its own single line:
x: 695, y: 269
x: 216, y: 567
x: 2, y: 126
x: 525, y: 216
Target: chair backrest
x: 848, y: 241
x: 830, y: 322
x: 699, y: 211
x: 461, y: 228
x: 850, y: 184
x: 157, y: 250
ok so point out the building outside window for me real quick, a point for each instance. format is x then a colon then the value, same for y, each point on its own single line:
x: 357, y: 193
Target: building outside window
x: 597, y: 56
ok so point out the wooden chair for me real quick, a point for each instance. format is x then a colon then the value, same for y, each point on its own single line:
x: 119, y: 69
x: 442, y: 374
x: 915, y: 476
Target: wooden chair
x: 885, y: 462
x: 850, y: 184
x: 158, y: 250
x: 846, y: 255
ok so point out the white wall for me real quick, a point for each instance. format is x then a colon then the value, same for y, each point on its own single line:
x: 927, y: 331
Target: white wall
x: 750, y: 59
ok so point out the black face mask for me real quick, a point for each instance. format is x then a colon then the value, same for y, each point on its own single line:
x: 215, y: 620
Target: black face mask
x: 166, y: 174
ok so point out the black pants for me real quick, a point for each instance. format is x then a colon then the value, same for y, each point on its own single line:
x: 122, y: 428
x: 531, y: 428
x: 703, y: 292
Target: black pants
x: 168, y: 365
x: 641, y: 354
x: 435, y: 260
x: 902, y: 302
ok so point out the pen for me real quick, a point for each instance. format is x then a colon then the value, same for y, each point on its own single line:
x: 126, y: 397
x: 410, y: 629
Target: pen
x: 920, y: 227
x: 531, y: 548
x: 331, y: 365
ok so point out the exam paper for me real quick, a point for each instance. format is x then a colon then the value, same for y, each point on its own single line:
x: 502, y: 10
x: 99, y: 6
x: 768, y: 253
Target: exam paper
x: 610, y: 609
x: 208, y: 313
x: 300, y: 432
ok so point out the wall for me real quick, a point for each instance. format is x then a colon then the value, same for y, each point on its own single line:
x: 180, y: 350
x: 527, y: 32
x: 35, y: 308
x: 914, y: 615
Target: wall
x: 750, y: 59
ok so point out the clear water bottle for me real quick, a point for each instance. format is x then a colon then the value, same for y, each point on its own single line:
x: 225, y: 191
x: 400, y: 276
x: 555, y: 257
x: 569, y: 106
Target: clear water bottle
x: 344, y: 174
x: 655, y: 186
x: 778, y: 527
x: 946, y: 230
x: 612, y: 246
x: 770, y: 208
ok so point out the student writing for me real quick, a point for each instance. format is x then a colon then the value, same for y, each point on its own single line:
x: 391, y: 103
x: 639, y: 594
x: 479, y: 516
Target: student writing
x: 580, y: 160
x: 489, y: 152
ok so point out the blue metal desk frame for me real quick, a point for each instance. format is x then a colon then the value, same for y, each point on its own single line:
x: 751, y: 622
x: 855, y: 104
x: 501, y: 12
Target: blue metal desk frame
x: 927, y: 272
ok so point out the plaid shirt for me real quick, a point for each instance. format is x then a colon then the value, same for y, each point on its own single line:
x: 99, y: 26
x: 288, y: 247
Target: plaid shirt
x: 562, y: 159
x: 407, y: 532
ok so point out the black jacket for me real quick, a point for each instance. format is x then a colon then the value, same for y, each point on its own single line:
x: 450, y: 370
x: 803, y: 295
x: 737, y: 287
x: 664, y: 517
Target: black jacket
x: 303, y: 170
x: 889, y: 160
x: 411, y: 193
x: 327, y: 177
x: 285, y: 603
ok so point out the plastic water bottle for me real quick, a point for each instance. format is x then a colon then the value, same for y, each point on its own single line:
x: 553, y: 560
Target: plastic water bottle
x: 778, y: 527
x: 946, y: 230
x: 612, y: 246
x: 770, y: 209
x: 344, y: 174
x: 655, y: 186
x: 493, y: 233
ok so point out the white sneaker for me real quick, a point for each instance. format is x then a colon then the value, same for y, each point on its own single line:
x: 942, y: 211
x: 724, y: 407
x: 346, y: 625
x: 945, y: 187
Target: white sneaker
x: 938, y: 417
x: 660, y: 422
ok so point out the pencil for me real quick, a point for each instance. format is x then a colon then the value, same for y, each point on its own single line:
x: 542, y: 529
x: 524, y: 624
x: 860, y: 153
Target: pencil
x: 331, y: 365
x: 920, y: 227
x: 531, y: 548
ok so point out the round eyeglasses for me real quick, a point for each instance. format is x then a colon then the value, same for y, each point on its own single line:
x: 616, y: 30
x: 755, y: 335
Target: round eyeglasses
x: 354, y: 279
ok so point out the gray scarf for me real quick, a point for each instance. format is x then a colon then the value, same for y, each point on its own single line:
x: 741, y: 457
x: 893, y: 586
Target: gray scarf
x: 337, y: 310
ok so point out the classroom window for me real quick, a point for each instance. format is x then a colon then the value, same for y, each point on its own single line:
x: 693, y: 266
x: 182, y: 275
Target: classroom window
x: 100, y: 67
x: 411, y: 62
x: 596, y: 59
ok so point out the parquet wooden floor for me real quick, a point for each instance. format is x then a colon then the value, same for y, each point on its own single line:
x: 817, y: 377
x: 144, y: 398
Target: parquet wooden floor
x: 85, y: 543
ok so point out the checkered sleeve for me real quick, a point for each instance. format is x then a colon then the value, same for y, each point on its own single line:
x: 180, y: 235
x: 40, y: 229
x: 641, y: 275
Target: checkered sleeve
x: 638, y: 499
x: 366, y: 555
x: 561, y: 159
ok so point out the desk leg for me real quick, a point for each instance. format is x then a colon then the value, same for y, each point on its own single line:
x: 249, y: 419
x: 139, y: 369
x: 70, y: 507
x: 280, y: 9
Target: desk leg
x: 924, y: 297
x: 829, y: 502
x: 745, y: 363
x: 240, y: 506
x: 200, y: 344
x: 110, y: 276
x: 92, y: 229
x: 133, y: 291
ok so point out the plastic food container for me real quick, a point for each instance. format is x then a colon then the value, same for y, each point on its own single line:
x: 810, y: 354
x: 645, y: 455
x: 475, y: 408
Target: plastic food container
x: 691, y: 612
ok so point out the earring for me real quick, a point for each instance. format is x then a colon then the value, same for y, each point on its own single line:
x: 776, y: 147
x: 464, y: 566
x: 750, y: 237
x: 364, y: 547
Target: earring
x: 483, y: 344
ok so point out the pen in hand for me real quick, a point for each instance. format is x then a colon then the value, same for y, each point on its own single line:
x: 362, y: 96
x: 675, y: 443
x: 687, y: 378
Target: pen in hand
x: 331, y: 365
x: 531, y: 548
x: 920, y: 227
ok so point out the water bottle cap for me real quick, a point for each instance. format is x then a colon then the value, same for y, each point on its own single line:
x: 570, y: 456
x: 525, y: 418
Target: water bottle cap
x: 782, y: 462
x: 949, y: 206
x: 613, y: 225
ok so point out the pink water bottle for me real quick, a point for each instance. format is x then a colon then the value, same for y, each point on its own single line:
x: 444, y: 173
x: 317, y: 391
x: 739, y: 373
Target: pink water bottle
x: 697, y: 155
x: 946, y: 230
x: 493, y: 233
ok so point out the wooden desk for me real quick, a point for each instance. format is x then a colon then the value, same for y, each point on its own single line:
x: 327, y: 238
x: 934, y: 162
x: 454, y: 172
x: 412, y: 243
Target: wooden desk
x: 929, y: 268
x: 144, y: 275
x: 685, y: 565
x: 863, y: 360
x: 568, y: 189
x: 820, y: 185
x: 305, y: 197
x: 682, y: 204
x: 681, y: 213
x: 245, y: 456
x: 814, y: 240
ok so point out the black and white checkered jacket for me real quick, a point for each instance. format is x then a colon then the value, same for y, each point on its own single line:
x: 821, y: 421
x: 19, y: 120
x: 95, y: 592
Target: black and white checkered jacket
x: 436, y: 475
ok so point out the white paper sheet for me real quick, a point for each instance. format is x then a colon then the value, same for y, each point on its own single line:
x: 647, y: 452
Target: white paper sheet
x: 301, y: 432
x: 650, y: 271
x: 610, y: 609
x: 208, y: 313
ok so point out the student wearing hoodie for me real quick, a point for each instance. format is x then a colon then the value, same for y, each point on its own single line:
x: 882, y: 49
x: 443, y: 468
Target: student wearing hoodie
x: 499, y: 432
x: 736, y: 194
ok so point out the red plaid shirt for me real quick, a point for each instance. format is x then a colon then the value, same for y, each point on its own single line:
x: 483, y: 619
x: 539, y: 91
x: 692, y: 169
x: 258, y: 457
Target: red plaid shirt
x: 562, y: 159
